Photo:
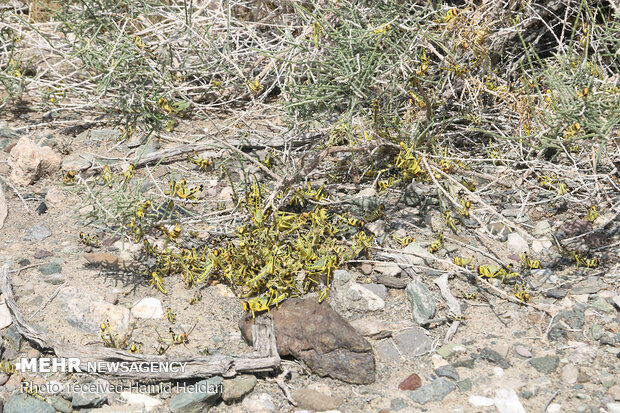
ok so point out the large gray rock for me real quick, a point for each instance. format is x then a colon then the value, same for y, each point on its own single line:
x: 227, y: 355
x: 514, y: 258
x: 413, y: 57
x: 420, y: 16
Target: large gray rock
x: 322, y: 339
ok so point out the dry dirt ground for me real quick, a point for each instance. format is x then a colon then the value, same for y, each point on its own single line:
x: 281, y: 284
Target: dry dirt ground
x: 584, y: 377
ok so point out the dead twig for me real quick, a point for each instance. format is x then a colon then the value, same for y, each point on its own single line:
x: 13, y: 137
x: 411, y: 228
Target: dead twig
x: 285, y: 389
x: 18, y: 195
x: 453, y: 305
x: 549, y: 401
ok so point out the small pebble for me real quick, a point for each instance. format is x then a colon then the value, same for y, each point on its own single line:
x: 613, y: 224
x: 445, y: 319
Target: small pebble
x: 522, y: 351
x: 480, y: 401
x: 410, y: 383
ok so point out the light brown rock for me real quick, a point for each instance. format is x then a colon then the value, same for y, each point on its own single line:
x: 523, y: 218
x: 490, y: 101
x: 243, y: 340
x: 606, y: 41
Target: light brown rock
x: 313, y: 400
x: 30, y: 161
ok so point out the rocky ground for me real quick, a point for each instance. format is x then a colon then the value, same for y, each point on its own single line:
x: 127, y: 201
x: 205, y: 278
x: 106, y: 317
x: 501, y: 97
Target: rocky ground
x: 371, y: 349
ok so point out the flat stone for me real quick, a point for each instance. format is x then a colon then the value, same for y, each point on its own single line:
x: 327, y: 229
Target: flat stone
x: 392, y: 282
x: 104, y: 134
x: 387, y: 351
x: 438, y: 361
x: 540, y: 245
x: 413, y: 342
x: 321, y: 338
x: 523, y: 351
x: 608, y: 340
x: 583, y: 355
x: 448, y: 351
x: 354, y: 296
x: 417, y: 254
x: 412, y: 382
x: 436, y: 391
x: 389, y: 269
x: 376, y: 228
x: 597, y: 331
x: 480, y: 401
x: 546, y: 364
x: 378, y: 289
x: 366, y: 268
x: 542, y: 228
x: 76, y: 163
x: 464, y: 385
x: 591, y: 287
x: 259, y: 403
x: 415, y: 194
x: 8, y: 133
x: 378, y: 329
x: 570, y: 373
x: 466, y: 363
x: 501, y: 349
x: 602, y: 304
x: 50, y: 268
x: 557, y: 293
x: 499, y: 230
x: 517, y: 244
x: 507, y: 401
x: 204, y: 394
x: 494, y: 357
x: 421, y: 301
x: 37, y: 233
x: 398, y: 404
x: 55, y: 279
x: 513, y: 212
x: 342, y: 277
x: 148, y: 307
x: 235, y: 389
x: 607, y: 379
x: 311, y: 399
x: 447, y: 371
